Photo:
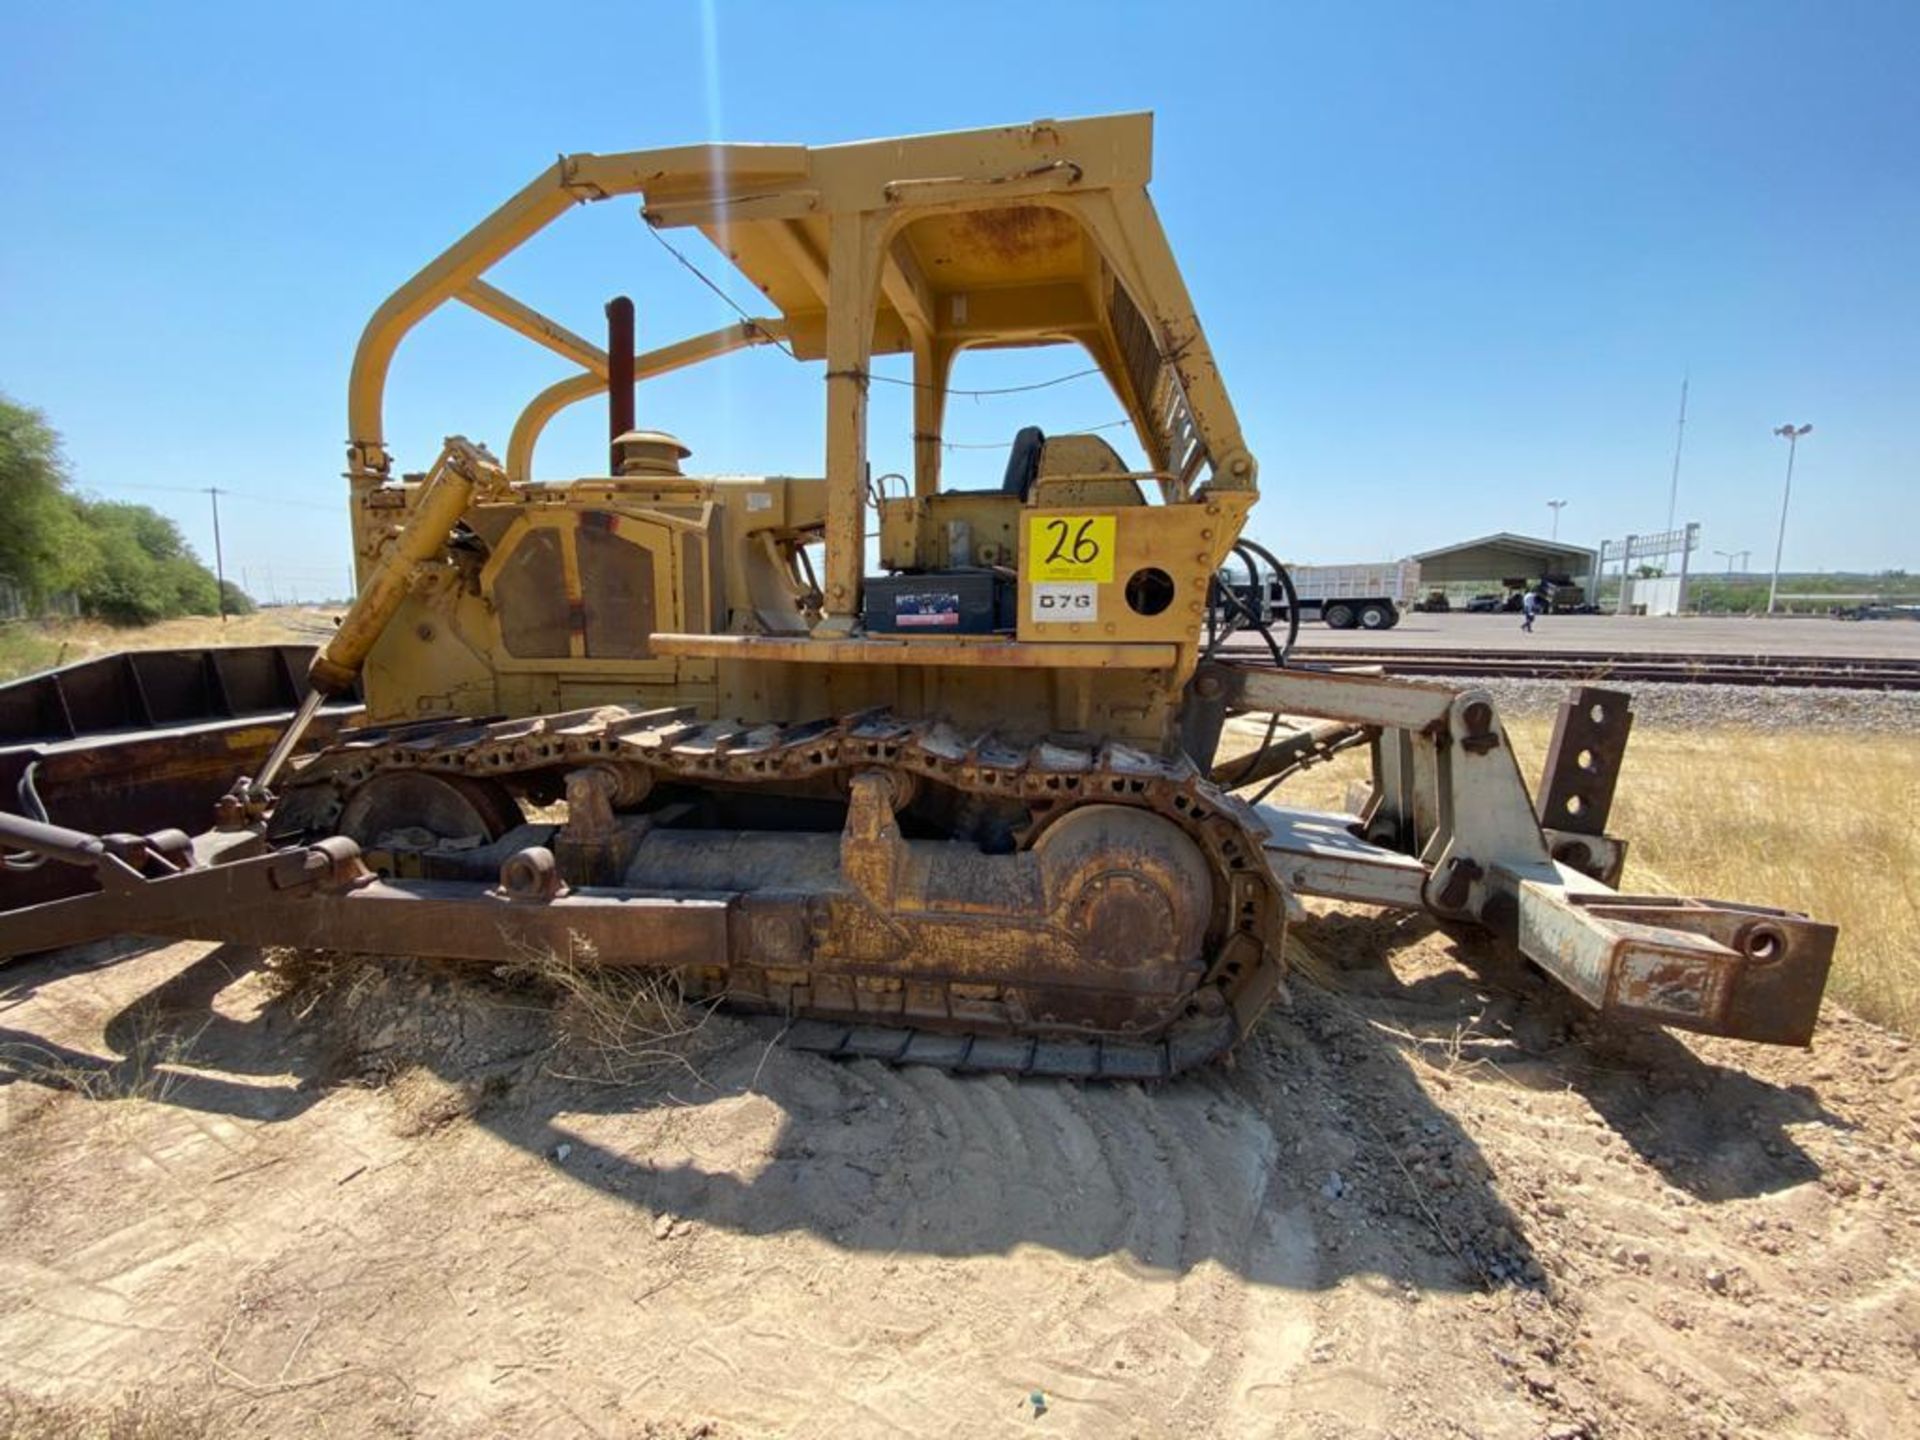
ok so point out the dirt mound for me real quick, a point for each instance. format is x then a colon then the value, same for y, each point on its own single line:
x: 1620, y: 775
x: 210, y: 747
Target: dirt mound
x: 1422, y: 1201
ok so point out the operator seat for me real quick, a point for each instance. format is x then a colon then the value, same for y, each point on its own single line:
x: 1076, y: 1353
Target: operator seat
x: 1023, y: 462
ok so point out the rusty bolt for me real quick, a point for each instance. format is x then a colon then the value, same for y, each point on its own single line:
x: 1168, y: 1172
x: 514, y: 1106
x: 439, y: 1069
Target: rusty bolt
x: 1209, y: 687
x: 1478, y: 718
x: 1457, y: 888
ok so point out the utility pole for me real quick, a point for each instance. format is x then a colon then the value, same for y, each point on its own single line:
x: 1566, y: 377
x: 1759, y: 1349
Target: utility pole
x: 1679, y: 439
x: 1791, y: 434
x: 219, y: 563
x: 1556, y: 506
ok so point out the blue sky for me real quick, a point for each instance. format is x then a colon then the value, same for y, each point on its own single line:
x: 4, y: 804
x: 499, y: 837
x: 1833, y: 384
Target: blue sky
x: 1454, y: 258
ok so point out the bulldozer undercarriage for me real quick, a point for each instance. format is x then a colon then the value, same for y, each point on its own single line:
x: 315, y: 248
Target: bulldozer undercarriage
x: 1122, y: 929
x: 904, y: 890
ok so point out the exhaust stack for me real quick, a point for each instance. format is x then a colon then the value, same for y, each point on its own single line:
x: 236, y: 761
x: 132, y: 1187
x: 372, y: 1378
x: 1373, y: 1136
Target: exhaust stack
x: 619, y: 376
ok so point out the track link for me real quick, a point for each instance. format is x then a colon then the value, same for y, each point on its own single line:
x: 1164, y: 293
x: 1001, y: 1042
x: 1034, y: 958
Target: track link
x: 833, y: 1014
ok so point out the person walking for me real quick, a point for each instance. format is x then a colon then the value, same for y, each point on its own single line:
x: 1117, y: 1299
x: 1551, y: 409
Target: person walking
x: 1529, y: 608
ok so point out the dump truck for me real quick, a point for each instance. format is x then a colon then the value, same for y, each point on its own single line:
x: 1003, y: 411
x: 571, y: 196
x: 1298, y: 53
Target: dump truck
x: 972, y: 812
x: 1368, y: 597
x: 1347, y: 597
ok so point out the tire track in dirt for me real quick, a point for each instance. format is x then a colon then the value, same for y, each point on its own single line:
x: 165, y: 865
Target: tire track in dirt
x: 1415, y: 1205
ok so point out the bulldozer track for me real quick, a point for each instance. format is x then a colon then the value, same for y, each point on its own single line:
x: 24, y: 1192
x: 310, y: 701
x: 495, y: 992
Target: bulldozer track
x: 1050, y: 778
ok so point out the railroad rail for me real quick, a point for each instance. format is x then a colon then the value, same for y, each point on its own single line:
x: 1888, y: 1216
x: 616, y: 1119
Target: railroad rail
x: 1888, y: 673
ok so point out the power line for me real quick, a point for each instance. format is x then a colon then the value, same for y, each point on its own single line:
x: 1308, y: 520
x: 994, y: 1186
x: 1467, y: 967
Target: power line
x: 972, y: 394
x: 231, y: 494
x: 1003, y: 444
x: 667, y: 245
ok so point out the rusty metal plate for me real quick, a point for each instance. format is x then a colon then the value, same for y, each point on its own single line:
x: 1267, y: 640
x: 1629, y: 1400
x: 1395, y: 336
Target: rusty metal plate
x: 1743, y: 971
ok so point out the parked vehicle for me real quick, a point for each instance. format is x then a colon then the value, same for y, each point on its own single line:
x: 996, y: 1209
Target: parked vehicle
x: 1876, y: 611
x: 1349, y: 597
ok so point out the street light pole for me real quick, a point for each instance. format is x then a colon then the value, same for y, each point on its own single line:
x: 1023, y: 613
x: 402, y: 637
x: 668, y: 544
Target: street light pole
x: 1556, y: 506
x: 1791, y: 434
x: 1679, y: 439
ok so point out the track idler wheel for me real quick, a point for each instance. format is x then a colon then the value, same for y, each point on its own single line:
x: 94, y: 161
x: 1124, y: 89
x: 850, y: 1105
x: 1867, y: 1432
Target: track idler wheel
x: 397, y: 816
x: 1135, y: 890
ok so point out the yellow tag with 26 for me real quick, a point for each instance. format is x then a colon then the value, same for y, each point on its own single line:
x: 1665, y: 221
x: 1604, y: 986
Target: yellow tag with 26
x: 1070, y: 547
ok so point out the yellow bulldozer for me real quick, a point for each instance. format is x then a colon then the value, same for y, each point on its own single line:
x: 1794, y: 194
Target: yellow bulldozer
x: 969, y: 811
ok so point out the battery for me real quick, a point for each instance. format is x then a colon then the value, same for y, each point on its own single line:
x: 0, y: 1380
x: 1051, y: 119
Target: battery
x: 939, y: 602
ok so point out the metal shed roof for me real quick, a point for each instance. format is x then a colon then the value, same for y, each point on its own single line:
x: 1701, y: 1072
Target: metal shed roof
x: 1504, y: 556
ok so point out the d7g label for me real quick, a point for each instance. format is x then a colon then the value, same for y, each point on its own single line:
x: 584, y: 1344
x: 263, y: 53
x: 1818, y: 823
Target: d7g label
x: 1056, y: 602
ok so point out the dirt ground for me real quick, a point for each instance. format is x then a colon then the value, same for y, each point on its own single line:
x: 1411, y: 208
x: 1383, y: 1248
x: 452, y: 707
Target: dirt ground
x: 1421, y: 1202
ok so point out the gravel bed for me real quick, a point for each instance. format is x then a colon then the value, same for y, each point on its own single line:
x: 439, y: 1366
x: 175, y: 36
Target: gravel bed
x: 1753, y: 707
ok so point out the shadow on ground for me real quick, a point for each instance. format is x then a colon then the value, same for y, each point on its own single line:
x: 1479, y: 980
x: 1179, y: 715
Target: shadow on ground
x: 1314, y: 1156
x: 1714, y: 1131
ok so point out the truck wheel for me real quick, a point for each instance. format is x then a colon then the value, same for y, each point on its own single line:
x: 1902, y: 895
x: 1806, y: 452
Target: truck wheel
x: 1338, y: 617
x: 1375, y: 616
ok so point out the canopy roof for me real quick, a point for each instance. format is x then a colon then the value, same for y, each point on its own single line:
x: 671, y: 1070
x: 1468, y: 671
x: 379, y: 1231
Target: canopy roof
x: 769, y: 209
x: 1016, y: 235
x: 1503, y: 556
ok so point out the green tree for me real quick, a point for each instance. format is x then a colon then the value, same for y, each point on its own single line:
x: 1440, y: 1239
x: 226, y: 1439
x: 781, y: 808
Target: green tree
x: 237, y: 601
x: 44, y: 547
x: 143, y: 569
x: 127, y: 563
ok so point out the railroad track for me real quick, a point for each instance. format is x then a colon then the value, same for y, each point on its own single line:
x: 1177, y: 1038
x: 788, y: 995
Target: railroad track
x: 1634, y: 667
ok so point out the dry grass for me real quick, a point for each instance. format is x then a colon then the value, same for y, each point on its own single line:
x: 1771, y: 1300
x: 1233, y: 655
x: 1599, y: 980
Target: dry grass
x: 616, y: 1025
x: 1820, y: 823
x: 26, y: 649
x: 610, y: 1024
x: 149, y: 1071
x: 135, y: 1417
x: 301, y: 979
x: 29, y: 646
